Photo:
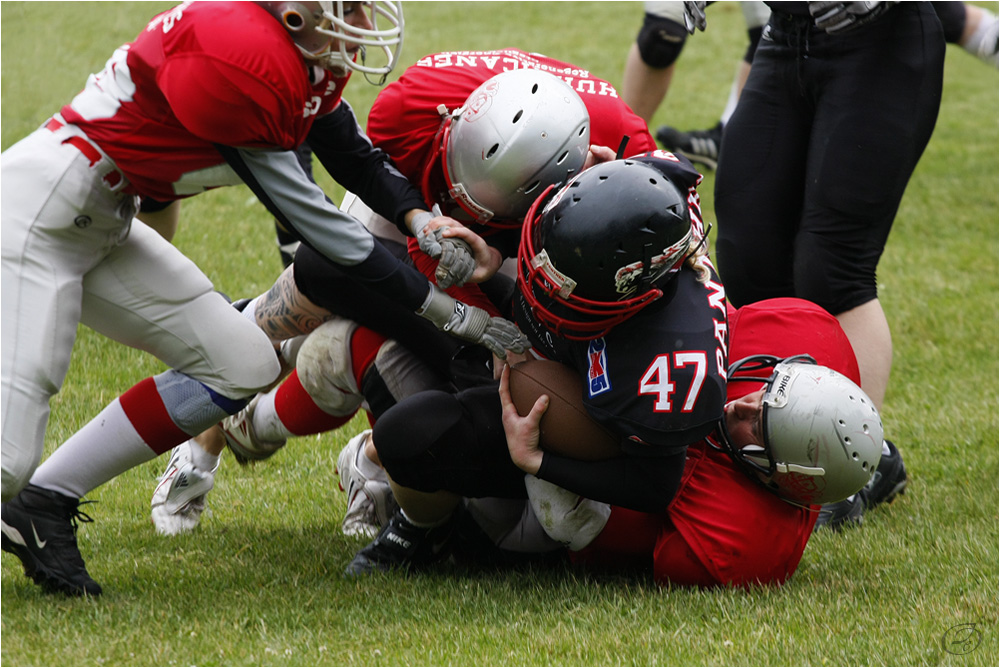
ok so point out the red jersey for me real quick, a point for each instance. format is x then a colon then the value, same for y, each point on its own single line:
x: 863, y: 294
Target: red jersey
x: 723, y: 528
x: 404, y: 119
x: 201, y: 74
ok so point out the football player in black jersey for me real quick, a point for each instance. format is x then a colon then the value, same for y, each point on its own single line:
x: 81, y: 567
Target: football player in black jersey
x: 614, y: 281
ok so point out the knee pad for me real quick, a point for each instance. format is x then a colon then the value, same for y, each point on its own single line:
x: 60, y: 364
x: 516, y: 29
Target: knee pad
x: 325, y: 370
x: 952, y: 16
x: 660, y: 41
x: 411, y: 440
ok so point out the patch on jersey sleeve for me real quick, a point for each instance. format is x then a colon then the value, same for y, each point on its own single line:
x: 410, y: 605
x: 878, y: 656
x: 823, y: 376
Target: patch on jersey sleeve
x: 597, y: 368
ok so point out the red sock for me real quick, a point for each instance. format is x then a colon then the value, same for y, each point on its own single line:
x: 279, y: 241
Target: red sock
x: 297, y: 410
x: 299, y: 413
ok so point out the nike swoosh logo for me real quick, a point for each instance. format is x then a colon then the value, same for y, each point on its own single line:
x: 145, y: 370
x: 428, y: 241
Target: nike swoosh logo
x: 38, y: 541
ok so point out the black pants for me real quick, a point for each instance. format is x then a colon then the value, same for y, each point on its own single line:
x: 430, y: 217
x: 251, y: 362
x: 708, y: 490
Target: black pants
x: 827, y: 133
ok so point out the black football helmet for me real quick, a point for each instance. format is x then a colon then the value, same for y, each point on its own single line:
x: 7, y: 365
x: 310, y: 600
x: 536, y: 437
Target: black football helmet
x: 602, y: 247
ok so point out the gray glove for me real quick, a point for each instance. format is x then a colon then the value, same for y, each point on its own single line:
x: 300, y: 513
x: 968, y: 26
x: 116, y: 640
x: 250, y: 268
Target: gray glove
x: 456, y: 264
x: 429, y: 241
x: 838, y: 17
x: 473, y: 324
x: 694, y: 16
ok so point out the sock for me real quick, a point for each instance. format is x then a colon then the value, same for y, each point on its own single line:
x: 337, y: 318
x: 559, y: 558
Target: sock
x: 250, y: 310
x: 201, y: 459
x: 298, y: 413
x: 982, y: 43
x: 104, y: 448
x: 367, y: 467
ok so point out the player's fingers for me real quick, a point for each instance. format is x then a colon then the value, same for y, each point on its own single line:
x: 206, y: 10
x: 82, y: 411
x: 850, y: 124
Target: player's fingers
x: 505, y: 400
x: 538, y: 410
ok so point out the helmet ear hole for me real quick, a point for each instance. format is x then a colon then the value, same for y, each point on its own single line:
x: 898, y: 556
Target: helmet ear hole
x: 517, y: 116
x: 293, y: 20
x: 492, y: 151
x: 562, y: 158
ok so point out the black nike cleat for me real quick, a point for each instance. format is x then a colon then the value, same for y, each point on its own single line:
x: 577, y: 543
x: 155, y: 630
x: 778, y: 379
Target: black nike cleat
x: 888, y: 481
x: 699, y: 146
x: 39, y: 527
x: 401, y: 545
x: 841, y: 515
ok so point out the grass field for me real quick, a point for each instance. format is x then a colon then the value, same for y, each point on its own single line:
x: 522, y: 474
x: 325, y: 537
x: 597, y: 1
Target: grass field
x: 259, y: 583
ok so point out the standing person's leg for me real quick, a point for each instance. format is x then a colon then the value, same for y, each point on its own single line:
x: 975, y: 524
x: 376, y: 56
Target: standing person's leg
x: 652, y: 58
x: 59, y: 220
x: 758, y: 187
x: 860, y: 161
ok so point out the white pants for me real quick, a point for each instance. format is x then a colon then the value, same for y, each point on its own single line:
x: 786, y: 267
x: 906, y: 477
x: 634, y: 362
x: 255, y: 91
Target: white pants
x: 71, y: 254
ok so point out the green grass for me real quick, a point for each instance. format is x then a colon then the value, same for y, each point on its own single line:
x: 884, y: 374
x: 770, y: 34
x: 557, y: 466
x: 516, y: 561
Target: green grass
x: 259, y: 583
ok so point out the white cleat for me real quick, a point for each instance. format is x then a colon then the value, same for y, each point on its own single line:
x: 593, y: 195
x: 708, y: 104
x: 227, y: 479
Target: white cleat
x: 370, y: 503
x: 179, y: 499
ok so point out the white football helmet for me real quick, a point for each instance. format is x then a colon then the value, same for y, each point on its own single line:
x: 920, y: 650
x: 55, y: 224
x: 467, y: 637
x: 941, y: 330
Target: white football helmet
x: 314, y: 26
x: 517, y: 134
x: 822, y: 434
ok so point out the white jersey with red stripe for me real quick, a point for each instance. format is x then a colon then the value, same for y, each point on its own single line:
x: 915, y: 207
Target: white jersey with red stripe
x: 189, y: 82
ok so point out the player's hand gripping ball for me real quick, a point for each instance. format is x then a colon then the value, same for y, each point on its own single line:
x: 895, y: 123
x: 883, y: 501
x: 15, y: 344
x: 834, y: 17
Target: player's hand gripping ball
x: 566, y: 428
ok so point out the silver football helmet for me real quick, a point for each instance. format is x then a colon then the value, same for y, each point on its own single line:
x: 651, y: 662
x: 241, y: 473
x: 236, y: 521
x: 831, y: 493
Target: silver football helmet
x: 314, y: 26
x: 517, y: 134
x: 822, y: 434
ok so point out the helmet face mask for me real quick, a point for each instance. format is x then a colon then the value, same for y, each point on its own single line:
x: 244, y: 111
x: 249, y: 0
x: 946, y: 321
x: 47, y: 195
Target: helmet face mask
x: 323, y: 35
x: 822, y: 434
x: 602, y: 248
x: 517, y: 133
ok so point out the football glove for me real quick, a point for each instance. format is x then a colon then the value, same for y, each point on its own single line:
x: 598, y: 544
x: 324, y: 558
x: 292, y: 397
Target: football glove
x: 694, y: 16
x: 839, y: 17
x: 456, y: 264
x: 473, y: 324
x: 428, y: 240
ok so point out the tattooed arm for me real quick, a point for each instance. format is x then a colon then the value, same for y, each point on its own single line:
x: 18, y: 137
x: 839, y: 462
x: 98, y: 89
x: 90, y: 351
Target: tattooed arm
x: 283, y: 312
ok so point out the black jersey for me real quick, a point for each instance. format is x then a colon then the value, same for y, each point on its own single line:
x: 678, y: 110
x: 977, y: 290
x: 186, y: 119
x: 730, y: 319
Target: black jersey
x: 659, y: 378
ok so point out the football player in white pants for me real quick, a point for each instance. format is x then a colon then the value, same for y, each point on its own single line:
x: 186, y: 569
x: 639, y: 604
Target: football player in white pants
x: 225, y: 88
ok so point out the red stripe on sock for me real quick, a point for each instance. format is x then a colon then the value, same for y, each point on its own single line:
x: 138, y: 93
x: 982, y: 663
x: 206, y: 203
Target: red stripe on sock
x: 299, y: 413
x: 146, y: 411
x: 365, y: 345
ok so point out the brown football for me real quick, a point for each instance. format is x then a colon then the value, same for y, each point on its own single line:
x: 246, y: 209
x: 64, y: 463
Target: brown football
x: 567, y: 428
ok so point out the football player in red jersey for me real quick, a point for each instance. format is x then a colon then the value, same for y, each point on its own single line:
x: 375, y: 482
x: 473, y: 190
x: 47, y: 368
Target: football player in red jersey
x: 747, y: 501
x: 209, y: 94
x: 446, y: 123
x: 724, y: 527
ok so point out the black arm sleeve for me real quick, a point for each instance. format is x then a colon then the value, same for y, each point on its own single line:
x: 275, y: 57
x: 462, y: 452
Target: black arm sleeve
x: 349, y: 156
x: 643, y: 484
x: 279, y: 182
